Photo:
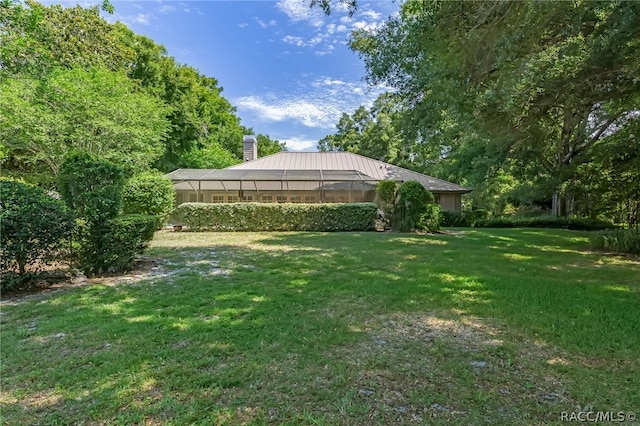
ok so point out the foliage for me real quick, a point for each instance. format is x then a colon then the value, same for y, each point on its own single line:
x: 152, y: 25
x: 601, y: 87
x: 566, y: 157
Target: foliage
x: 93, y: 110
x: 373, y: 133
x: 277, y: 217
x: 149, y: 193
x: 313, y: 317
x: 618, y: 241
x: 71, y: 80
x: 210, y: 156
x: 481, y: 219
x: 91, y: 187
x: 33, y: 226
x: 36, y: 38
x: 464, y: 219
x: 386, y: 192
x: 490, y: 88
x: 412, y: 203
x: 113, y: 245
x: 430, y: 219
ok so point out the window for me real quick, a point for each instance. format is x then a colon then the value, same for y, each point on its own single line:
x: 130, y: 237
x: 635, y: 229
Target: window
x: 281, y: 198
x: 436, y: 198
x: 193, y: 197
x: 329, y: 199
x: 309, y: 198
x: 232, y: 198
x: 247, y: 198
x: 267, y: 199
x: 295, y: 198
x: 217, y: 198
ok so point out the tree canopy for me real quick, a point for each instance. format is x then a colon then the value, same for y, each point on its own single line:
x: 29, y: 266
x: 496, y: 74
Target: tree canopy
x: 69, y: 80
x: 514, y: 97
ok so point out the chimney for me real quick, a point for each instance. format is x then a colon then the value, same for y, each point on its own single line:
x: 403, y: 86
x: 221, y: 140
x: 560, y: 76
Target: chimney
x: 249, y: 148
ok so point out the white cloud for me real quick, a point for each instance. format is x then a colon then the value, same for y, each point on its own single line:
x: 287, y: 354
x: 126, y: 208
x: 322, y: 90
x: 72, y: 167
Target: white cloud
x: 301, y: 42
x: 303, y: 111
x: 298, y: 10
x: 326, y: 51
x: 263, y: 24
x: 300, y: 144
x: 363, y: 25
x: 373, y: 15
x: 298, y: 41
x: 243, y: 25
x: 318, y: 106
x: 166, y: 8
x: 141, y: 18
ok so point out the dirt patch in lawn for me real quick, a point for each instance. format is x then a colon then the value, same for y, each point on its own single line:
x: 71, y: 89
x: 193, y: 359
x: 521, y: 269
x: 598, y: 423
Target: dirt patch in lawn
x: 58, y: 277
x: 415, y: 368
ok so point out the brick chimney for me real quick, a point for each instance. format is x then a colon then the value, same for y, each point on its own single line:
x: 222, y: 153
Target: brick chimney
x: 249, y: 148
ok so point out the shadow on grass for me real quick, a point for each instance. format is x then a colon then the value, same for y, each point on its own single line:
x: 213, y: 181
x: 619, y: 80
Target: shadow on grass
x: 236, y: 325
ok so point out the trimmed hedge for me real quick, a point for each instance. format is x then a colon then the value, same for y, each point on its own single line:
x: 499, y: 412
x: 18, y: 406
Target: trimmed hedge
x: 149, y: 193
x: 477, y: 221
x: 113, y: 246
x: 34, y: 228
x: 277, y: 217
x: 618, y: 241
x: 429, y: 220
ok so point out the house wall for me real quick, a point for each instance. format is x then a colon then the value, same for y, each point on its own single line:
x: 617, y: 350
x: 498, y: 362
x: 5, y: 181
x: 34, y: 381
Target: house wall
x: 449, y: 202
x: 190, y: 196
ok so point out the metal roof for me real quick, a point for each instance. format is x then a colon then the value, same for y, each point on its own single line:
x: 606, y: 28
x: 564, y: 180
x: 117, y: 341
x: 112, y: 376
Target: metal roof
x: 228, y: 175
x: 314, y: 166
x: 331, y: 161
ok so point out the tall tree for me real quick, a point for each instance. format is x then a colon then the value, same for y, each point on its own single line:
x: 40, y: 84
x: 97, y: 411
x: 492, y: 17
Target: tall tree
x: 35, y: 38
x: 545, y: 85
x: 372, y: 132
x: 92, y: 110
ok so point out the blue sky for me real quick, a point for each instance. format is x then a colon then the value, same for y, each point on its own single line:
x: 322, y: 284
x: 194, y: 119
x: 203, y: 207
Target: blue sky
x: 285, y: 67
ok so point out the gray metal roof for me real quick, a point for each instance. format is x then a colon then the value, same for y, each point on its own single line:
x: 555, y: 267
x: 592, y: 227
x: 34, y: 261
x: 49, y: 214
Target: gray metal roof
x: 346, y: 161
x: 313, y: 166
x: 228, y: 175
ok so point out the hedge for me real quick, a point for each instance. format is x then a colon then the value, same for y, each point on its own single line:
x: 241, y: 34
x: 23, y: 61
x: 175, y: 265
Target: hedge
x: 149, y: 193
x: 277, y: 217
x: 618, y: 241
x: 34, y: 228
x: 114, y: 246
x: 474, y: 220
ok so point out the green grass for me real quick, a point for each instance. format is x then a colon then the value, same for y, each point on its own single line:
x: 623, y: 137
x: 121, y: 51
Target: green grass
x: 488, y: 327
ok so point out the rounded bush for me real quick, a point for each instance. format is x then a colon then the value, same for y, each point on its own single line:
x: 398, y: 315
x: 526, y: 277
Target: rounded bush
x: 149, y: 193
x: 91, y: 186
x: 413, y: 200
x: 33, y: 225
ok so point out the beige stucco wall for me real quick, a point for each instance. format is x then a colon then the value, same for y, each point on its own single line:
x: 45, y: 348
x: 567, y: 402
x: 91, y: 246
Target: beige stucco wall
x: 183, y: 196
x: 450, y: 202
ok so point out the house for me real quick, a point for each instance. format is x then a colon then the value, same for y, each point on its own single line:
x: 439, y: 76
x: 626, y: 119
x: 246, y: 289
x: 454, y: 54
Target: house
x: 302, y: 177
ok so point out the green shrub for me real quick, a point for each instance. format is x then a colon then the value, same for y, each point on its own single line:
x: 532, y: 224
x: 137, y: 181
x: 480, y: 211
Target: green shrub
x: 149, y: 193
x: 430, y: 220
x: 577, y: 224
x: 105, y: 242
x: 618, y: 241
x: 33, y: 227
x: 91, y: 187
x: 413, y: 200
x: 277, y: 217
x: 386, y: 191
x: 113, y: 246
x: 466, y: 219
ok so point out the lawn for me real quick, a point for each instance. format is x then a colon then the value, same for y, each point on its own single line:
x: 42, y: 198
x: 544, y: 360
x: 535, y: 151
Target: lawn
x: 496, y: 326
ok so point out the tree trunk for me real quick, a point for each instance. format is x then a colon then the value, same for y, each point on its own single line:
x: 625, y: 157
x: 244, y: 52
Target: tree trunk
x: 555, y: 203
